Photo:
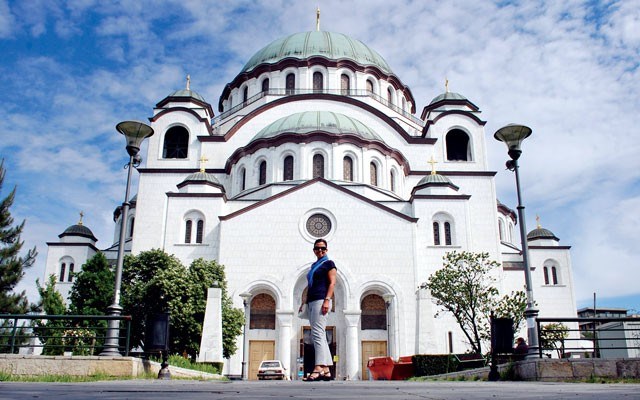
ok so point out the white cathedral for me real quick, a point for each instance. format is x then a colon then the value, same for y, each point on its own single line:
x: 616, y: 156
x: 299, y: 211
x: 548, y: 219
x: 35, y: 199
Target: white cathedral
x: 316, y: 137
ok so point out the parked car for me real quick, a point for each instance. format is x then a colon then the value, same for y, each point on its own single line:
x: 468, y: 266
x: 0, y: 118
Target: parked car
x: 272, y: 369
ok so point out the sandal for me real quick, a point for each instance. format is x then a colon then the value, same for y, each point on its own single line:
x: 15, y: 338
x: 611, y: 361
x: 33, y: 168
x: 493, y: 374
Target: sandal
x: 326, y: 376
x: 315, y: 376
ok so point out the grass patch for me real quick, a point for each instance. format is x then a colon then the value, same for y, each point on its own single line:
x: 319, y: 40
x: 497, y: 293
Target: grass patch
x: 4, y: 377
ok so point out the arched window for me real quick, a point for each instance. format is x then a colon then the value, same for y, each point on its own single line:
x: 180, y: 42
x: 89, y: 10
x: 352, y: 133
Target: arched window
x: 290, y: 83
x: 245, y: 94
x: 373, y: 173
x: 458, y: 146
x: 374, y: 312
x: 288, y: 168
x: 187, y: 231
x: 132, y: 221
x: 262, y: 314
x: 345, y: 84
x: 443, y: 227
x: 347, y: 169
x: 262, y: 173
x: 243, y: 179
x: 554, y: 275
x: 390, y: 95
x: 70, y: 278
x: 265, y: 85
x: 392, y: 180
x: 546, y: 275
x: 501, y: 229
x: 317, y: 81
x: 447, y: 233
x: 199, y: 231
x: 63, y: 269
x: 176, y: 143
x: 318, y: 166
x: 369, y: 86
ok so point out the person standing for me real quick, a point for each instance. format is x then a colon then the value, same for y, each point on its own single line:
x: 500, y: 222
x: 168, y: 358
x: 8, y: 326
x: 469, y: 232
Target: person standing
x: 321, y: 281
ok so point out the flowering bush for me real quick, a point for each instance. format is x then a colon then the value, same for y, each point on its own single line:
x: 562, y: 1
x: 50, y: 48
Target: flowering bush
x: 80, y: 341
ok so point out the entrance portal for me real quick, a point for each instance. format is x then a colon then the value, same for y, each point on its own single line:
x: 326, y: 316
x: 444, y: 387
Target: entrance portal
x: 307, y: 352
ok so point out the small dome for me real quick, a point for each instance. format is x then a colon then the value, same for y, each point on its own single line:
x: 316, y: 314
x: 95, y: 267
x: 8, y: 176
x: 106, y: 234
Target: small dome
x: 312, y: 121
x: 187, y: 93
x: 201, y: 177
x: 78, y: 230
x: 448, y: 96
x: 435, y: 178
x: 330, y: 45
x: 541, y: 233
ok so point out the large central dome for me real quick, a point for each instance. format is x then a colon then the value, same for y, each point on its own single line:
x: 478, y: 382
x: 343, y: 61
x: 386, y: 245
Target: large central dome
x: 333, y: 46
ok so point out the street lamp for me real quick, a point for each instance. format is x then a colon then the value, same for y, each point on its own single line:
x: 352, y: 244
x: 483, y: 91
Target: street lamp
x: 135, y: 133
x: 513, y: 135
x: 388, y: 297
x: 246, y: 299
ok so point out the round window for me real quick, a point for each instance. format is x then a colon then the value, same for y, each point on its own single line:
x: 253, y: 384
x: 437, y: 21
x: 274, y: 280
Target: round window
x: 318, y: 225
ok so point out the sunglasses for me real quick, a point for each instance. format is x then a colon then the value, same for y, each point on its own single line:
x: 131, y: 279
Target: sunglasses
x: 319, y: 249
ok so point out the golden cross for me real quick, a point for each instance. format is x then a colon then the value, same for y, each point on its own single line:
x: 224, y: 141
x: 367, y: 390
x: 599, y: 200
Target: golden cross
x: 446, y: 85
x: 81, y: 215
x: 433, y: 163
x: 538, y: 221
x: 203, y: 160
x: 318, y: 19
x: 188, y: 82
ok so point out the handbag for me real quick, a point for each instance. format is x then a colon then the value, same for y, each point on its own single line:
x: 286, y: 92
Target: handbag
x: 304, y: 313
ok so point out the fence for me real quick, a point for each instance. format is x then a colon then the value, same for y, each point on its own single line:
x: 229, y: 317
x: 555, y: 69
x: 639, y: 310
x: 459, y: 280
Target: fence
x: 605, y: 337
x: 60, y: 334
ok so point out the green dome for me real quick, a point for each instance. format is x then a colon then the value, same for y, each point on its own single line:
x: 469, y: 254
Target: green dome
x: 78, y: 230
x: 448, y: 96
x: 201, y: 177
x: 333, y: 46
x: 311, y: 121
x: 541, y: 233
x: 434, y: 179
x: 187, y: 93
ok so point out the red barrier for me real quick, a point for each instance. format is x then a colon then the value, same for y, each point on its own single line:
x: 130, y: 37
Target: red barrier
x: 385, y: 369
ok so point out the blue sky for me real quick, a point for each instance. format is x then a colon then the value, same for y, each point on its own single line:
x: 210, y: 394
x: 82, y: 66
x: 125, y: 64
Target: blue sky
x: 71, y: 70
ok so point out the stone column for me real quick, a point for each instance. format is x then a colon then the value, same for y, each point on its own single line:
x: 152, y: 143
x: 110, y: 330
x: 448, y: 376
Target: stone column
x: 426, y: 336
x: 285, y: 322
x: 352, y: 362
x: 211, y: 342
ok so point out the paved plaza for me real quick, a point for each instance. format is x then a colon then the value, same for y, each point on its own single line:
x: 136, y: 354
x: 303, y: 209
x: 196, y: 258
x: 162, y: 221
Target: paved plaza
x: 362, y: 390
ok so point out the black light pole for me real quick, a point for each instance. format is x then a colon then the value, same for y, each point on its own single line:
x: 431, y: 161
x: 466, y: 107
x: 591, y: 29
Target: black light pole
x: 513, y: 135
x: 246, y: 297
x: 135, y: 133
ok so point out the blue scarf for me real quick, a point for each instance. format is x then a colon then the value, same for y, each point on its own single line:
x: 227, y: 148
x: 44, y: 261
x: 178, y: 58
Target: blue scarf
x: 314, y: 268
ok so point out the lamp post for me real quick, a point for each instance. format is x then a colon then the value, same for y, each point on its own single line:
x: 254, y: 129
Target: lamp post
x: 388, y: 297
x: 513, y: 135
x: 135, y: 133
x: 246, y: 299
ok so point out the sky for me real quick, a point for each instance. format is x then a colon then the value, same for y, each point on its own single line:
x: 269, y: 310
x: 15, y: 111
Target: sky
x: 71, y: 70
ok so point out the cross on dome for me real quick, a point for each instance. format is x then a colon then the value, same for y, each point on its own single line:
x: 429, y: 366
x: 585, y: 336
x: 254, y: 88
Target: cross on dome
x: 203, y: 161
x: 318, y: 19
x: 188, y: 82
x: 433, y: 163
x: 81, y: 215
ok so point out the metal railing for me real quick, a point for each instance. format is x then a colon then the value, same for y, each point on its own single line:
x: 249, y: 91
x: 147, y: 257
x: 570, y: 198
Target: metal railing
x: 607, y: 337
x: 337, y: 92
x: 60, y: 334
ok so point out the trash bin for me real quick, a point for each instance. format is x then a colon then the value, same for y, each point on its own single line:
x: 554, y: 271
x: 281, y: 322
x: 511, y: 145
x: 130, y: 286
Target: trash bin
x: 380, y: 368
x: 156, y: 337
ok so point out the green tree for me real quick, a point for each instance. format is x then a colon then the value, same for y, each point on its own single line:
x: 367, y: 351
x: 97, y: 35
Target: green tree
x: 12, y: 266
x: 51, y: 303
x: 464, y: 287
x: 92, y: 290
x: 552, y: 336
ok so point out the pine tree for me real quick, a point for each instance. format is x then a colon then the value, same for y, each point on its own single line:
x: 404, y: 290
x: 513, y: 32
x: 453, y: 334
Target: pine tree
x: 12, y: 266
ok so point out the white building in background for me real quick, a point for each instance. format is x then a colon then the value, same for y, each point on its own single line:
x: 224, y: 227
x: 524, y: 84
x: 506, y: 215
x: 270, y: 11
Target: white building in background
x: 316, y: 137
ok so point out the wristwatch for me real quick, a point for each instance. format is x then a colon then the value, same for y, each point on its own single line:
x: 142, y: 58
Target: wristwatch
x: 327, y: 298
